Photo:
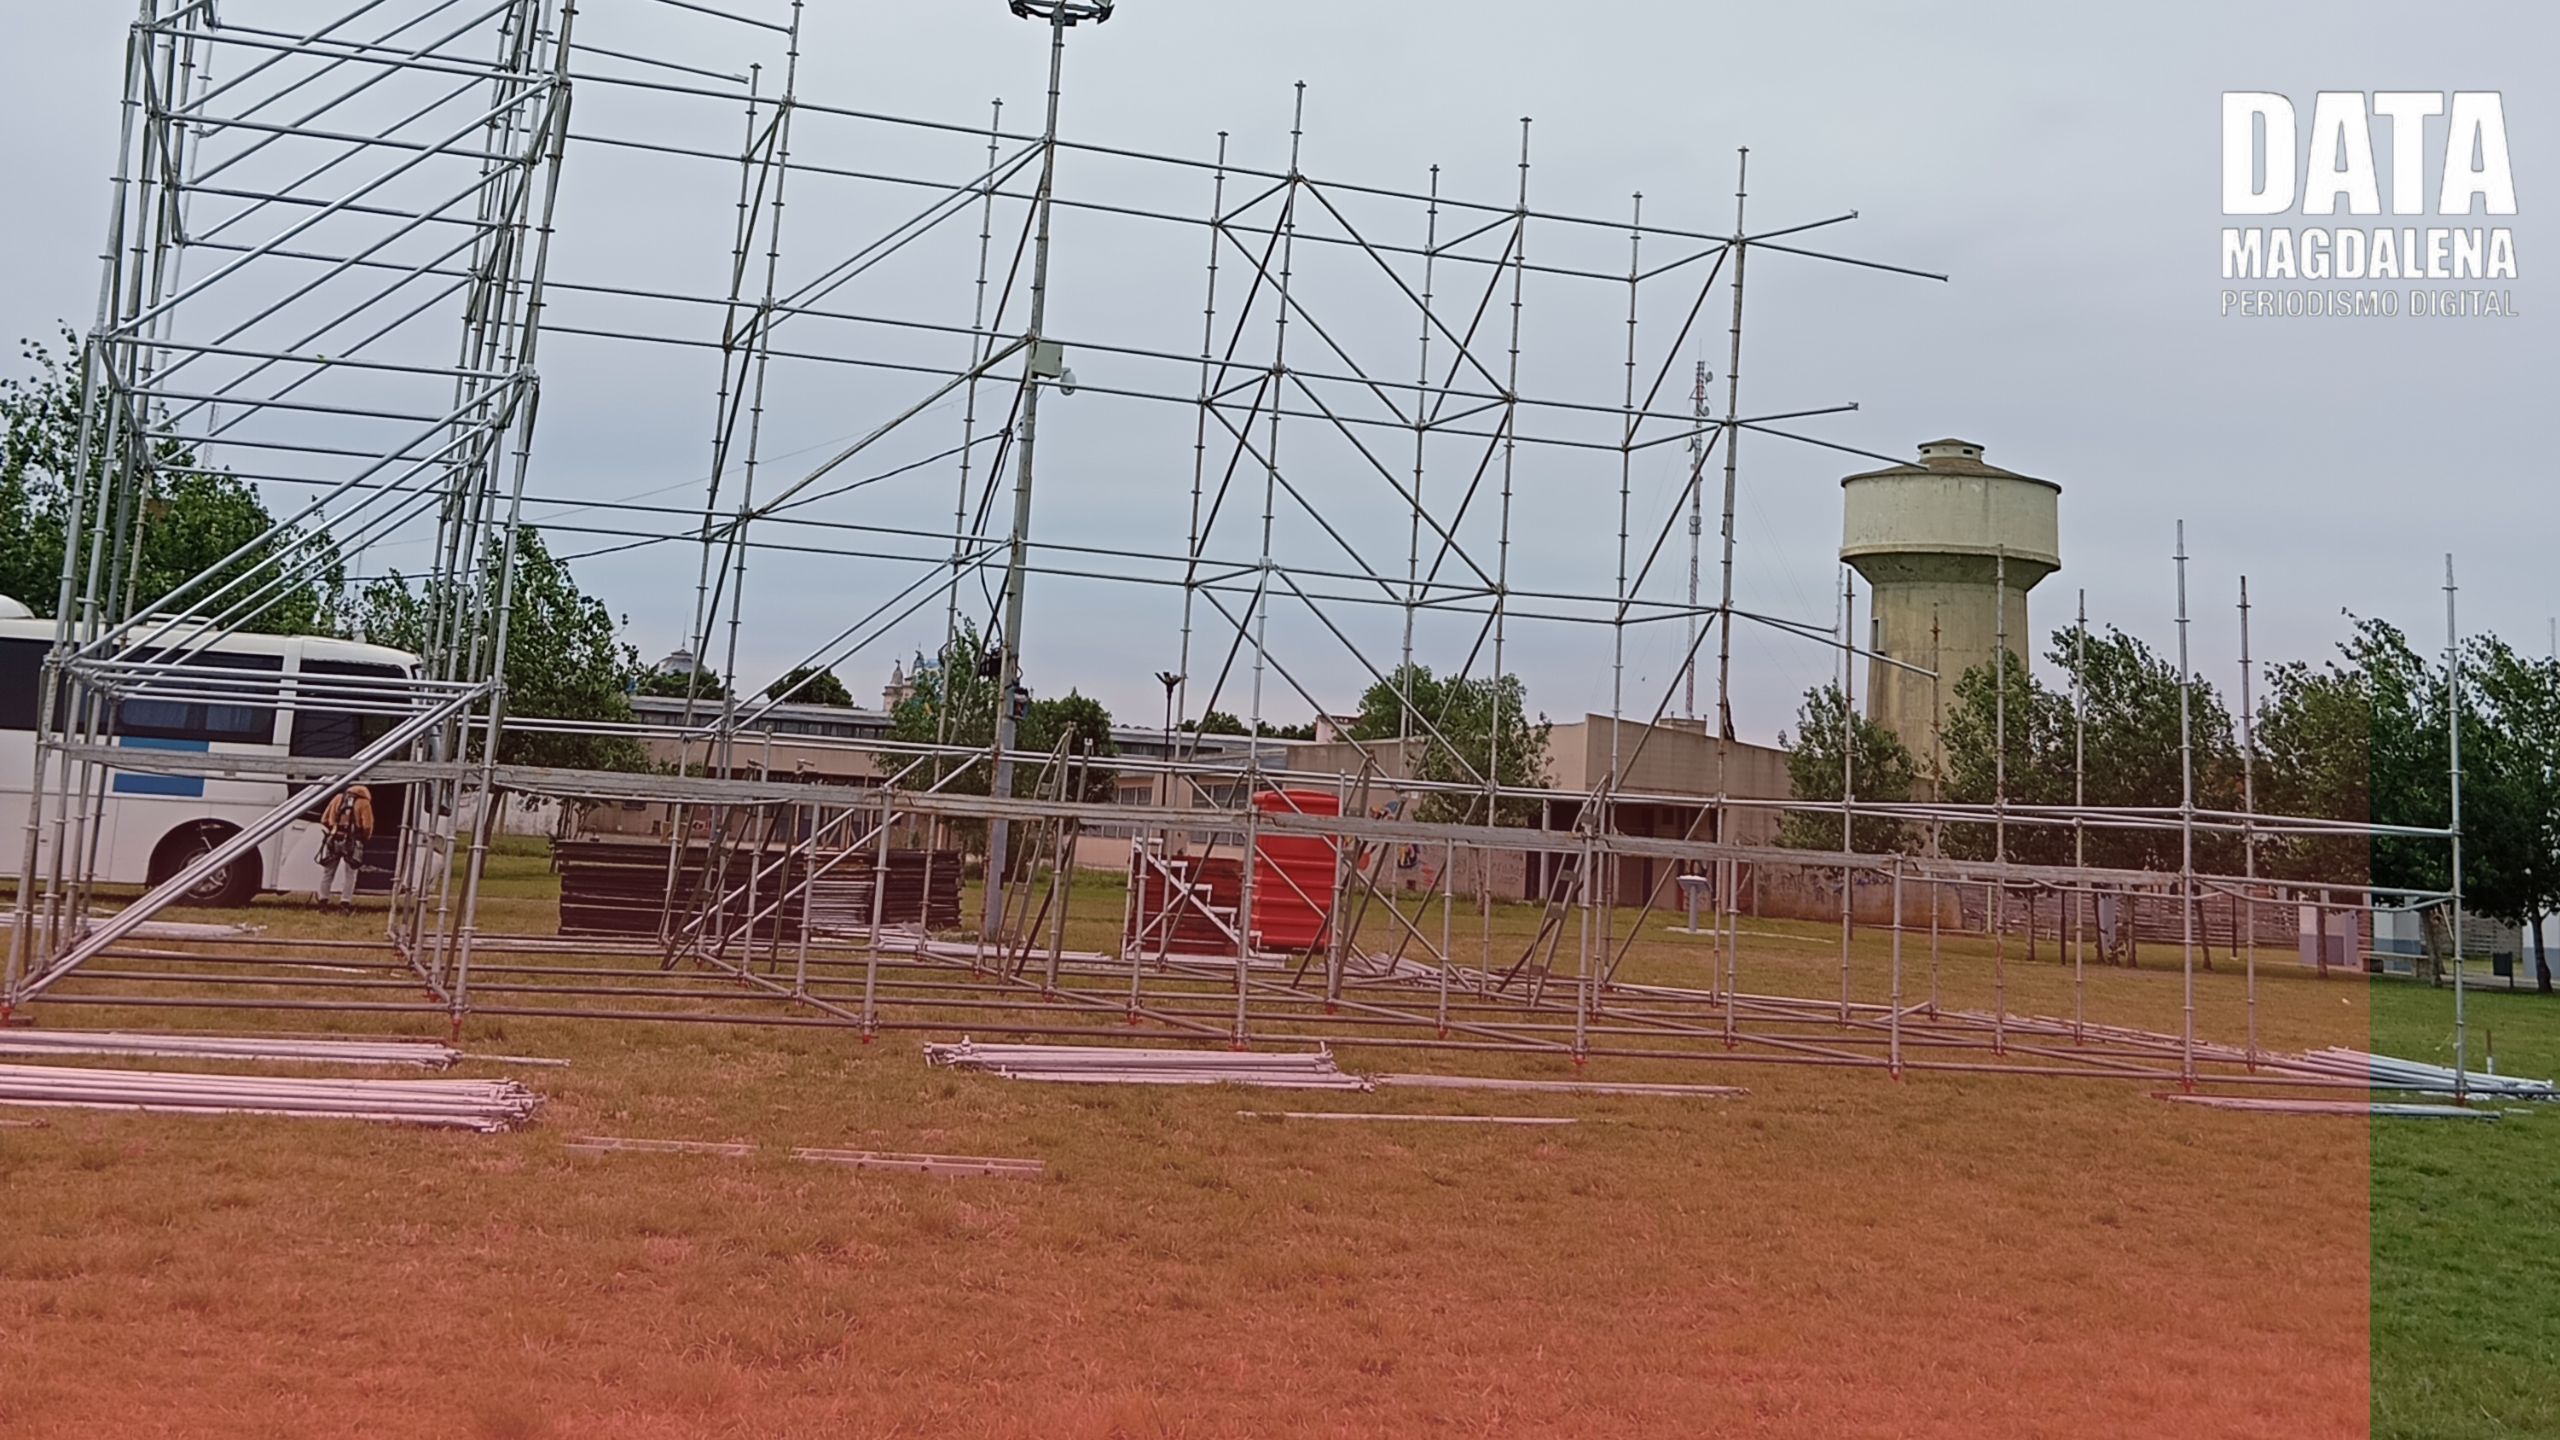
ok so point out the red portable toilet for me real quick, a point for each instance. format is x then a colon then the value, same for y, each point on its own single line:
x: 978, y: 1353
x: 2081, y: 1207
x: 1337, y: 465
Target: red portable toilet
x: 1293, y: 874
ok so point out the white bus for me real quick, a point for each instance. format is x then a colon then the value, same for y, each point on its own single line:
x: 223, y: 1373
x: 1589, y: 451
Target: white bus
x: 154, y: 823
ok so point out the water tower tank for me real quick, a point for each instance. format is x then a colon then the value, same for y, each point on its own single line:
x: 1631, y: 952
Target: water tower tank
x: 1945, y: 544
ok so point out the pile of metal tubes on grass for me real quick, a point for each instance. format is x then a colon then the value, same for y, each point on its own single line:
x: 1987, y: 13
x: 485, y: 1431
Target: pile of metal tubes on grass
x: 484, y: 1105
x: 1123, y: 1065
x: 2370, y: 1109
x: 2385, y: 1072
x: 424, y: 1054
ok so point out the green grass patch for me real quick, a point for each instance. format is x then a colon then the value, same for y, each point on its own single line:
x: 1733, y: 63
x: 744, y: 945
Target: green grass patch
x: 2466, y: 1233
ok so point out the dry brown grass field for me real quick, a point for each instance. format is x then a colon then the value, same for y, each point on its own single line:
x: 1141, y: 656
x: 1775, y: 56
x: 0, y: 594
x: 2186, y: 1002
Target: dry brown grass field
x: 1835, y: 1255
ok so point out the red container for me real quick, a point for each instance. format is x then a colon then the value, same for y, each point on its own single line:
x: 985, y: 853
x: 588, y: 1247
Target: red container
x: 1293, y: 875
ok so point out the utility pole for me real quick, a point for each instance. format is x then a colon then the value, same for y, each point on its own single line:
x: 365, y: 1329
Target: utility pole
x: 1040, y: 362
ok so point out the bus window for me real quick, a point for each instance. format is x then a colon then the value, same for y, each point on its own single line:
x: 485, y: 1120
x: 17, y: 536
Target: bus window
x: 21, y: 672
x: 188, y: 716
x: 337, y: 734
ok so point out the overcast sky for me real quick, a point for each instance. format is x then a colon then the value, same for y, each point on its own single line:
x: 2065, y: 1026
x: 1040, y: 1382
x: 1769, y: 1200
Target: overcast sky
x: 2060, y: 163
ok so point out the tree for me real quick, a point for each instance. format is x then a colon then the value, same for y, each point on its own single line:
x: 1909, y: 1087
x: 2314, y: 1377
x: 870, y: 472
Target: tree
x: 2131, y: 758
x: 564, y: 660
x: 2359, y: 739
x: 808, y: 685
x: 184, y: 519
x: 1883, y: 770
x: 2037, y: 747
x: 2511, y: 790
x: 1470, y: 730
x: 1216, y: 722
x: 1219, y: 722
x: 702, y: 684
x: 2122, y: 748
x: 1087, y: 726
x: 2363, y: 739
x: 954, y: 704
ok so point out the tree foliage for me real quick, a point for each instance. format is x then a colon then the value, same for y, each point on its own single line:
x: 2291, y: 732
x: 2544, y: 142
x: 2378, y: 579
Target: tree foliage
x: 2511, y: 790
x: 2034, y: 735
x: 1881, y: 767
x: 1469, y: 730
x: 808, y: 685
x: 184, y: 519
x: 565, y: 659
x: 2122, y: 748
x: 702, y: 684
x: 2360, y: 738
x: 954, y: 703
x: 1219, y: 722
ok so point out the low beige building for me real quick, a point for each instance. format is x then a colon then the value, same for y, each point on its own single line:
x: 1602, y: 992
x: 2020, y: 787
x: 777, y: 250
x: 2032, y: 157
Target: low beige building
x: 1673, y: 767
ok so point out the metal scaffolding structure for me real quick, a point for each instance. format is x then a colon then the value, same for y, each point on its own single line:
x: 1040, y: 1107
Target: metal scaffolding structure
x: 330, y: 260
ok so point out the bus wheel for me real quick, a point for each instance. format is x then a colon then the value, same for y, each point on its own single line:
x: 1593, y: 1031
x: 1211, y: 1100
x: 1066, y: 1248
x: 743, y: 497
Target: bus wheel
x: 233, y: 885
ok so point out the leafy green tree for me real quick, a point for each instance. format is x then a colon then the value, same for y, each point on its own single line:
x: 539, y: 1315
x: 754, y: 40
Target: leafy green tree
x: 1219, y: 722
x: 2511, y: 791
x: 703, y: 684
x: 2130, y: 699
x: 954, y: 703
x: 2121, y: 749
x: 1469, y: 730
x: 1081, y: 717
x: 2363, y: 738
x: 1883, y: 770
x: 1383, y: 705
x: 808, y: 685
x: 2037, y: 746
x: 2359, y: 739
x: 564, y: 661
x: 184, y: 519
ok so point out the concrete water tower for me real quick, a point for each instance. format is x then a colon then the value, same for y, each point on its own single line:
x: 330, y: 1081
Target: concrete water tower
x: 1945, y: 544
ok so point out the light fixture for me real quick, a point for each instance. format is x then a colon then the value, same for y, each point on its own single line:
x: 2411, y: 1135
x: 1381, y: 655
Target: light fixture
x: 1062, y: 13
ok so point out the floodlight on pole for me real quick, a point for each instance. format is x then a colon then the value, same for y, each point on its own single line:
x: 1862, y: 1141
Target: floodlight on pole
x: 1062, y: 12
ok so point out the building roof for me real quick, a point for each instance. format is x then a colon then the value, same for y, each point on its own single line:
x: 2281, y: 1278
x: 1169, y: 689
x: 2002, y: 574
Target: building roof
x: 1947, y: 457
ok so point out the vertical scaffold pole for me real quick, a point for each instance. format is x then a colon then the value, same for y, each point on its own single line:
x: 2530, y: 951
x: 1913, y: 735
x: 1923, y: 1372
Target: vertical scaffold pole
x: 2079, y: 828
x: 1997, y: 892
x: 1893, y: 1013
x: 2186, y: 828
x: 2248, y: 822
x: 2453, y: 765
x: 1510, y: 431
x: 1731, y: 437
x: 1848, y: 775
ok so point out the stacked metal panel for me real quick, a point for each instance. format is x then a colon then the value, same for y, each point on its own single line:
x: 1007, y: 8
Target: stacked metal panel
x: 1123, y: 1065
x: 484, y: 1105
